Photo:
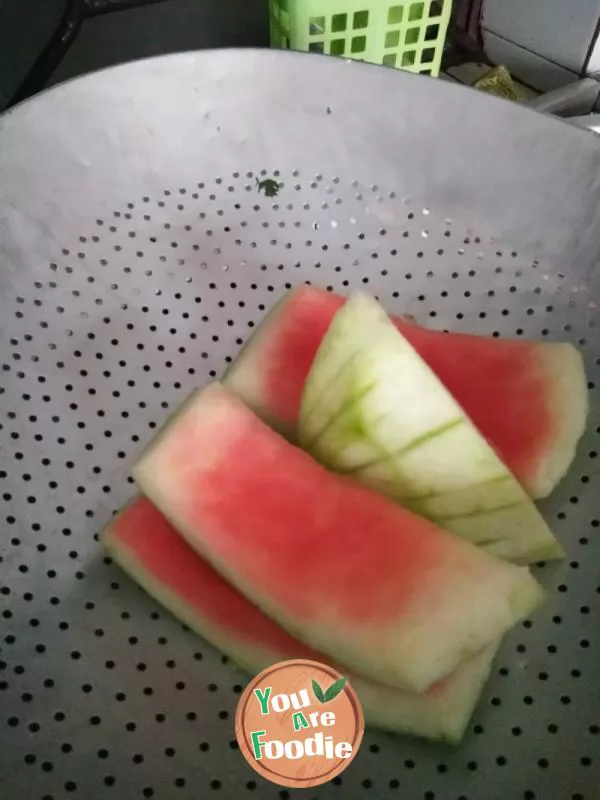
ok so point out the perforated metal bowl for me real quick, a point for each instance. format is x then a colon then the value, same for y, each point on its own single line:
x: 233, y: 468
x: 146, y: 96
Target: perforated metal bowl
x: 137, y: 254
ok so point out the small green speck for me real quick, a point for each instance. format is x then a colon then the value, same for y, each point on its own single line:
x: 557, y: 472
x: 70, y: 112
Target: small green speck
x: 269, y: 186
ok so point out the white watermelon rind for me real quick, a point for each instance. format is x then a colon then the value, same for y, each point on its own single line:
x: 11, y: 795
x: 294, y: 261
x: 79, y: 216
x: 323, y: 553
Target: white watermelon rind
x: 438, y: 715
x: 245, y: 375
x: 564, y: 370
x: 512, y: 594
x: 559, y: 363
x: 410, y: 439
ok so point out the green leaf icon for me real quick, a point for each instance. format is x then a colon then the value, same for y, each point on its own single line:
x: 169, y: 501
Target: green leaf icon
x: 335, y: 689
x: 331, y: 693
x: 318, y: 692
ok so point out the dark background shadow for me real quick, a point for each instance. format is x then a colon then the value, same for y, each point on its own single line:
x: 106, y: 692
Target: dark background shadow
x: 174, y: 25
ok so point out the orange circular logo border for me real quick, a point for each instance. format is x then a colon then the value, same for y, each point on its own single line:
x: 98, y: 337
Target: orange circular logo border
x: 302, y: 771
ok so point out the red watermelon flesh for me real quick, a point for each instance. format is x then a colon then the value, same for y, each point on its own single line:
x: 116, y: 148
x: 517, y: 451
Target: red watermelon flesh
x: 528, y: 399
x: 344, y: 569
x: 147, y: 547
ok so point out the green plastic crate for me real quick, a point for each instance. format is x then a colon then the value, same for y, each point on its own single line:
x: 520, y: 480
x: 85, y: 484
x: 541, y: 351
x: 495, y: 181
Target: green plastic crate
x: 408, y: 35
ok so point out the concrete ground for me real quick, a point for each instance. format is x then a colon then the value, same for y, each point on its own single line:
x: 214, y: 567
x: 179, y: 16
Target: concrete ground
x: 174, y: 25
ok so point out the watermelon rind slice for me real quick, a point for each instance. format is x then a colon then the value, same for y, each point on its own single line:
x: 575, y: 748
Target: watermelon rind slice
x: 141, y: 541
x: 338, y: 566
x: 373, y: 409
x: 528, y: 398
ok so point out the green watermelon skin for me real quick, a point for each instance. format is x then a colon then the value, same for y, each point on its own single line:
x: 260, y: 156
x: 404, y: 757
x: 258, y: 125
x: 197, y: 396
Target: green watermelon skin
x: 341, y: 568
x: 148, y: 548
x: 529, y: 399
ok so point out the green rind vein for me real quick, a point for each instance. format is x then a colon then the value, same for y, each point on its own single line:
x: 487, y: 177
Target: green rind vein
x: 417, y: 498
x: 347, y: 406
x: 479, y: 512
x: 306, y: 412
x: 417, y: 442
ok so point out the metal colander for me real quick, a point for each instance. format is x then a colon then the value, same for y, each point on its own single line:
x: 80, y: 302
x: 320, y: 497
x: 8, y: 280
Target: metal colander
x: 137, y: 254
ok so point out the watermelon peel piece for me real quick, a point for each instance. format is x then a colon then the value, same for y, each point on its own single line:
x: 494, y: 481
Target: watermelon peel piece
x: 141, y: 541
x: 291, y: 536
x: 529, y: 399
x: 373, y: 408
